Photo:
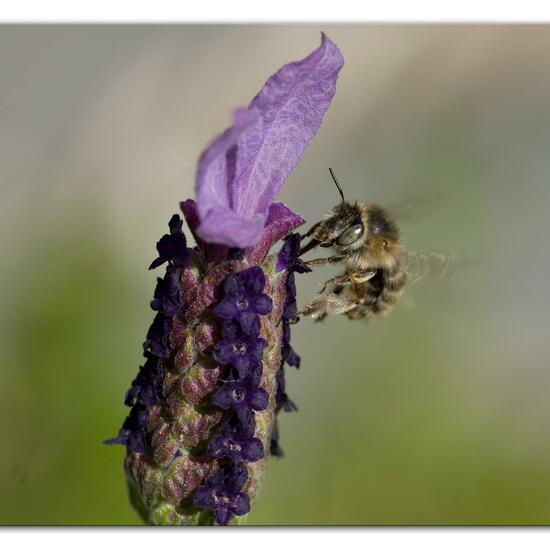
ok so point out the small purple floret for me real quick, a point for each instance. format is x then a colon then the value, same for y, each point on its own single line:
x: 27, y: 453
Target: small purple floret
x: 242, y: 395
x: 289, y: 255
x: 133, y: 431
x: 274, y: 448
x: 221, y: 492
x: 233, y: 442
x: 158, y: 335
x: 172, y: 248
x: 166, y: 298
x: 145, y: 388
x: 244, y: 300
x: 241, y: 350
x: 281, y: 397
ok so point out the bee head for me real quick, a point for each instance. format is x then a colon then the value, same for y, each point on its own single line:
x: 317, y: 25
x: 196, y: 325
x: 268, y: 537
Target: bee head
x: 342, y: 227
x: 349, y: 227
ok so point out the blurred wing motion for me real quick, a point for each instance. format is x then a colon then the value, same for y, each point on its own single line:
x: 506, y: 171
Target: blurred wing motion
x: 437, y: 266
x: 418, y: 208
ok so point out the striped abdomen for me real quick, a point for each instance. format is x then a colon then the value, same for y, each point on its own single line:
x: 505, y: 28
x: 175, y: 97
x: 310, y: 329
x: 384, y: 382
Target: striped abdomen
x: 378, y: 296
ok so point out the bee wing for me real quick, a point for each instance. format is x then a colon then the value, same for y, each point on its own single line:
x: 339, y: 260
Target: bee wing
x: 418, y: 208
x: 438, y: 266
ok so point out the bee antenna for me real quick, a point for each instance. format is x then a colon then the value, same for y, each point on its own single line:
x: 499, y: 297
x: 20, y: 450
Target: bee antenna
x: 337, y: 184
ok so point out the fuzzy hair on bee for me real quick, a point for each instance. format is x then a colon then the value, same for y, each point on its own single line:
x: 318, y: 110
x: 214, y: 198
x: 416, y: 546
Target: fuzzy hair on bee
x: 366, y: 242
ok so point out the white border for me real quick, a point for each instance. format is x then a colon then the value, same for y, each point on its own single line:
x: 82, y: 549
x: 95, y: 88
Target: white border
x: 343, y: 11
x: 275, y: 538
x: 238, y: 11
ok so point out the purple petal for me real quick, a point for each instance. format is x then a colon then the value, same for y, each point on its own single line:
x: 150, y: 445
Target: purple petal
x: 203, y: 497
x: 253, y: 279
x: 293, y: 359
x: 247, y: 420
x: 241, y: 363
x: 118, y: 440
x: 253, y: 450
x: 223, y: 397
x: 291, y: 106
x: 240, y: 505
x: 289, y: 252
x: 189, y: 210
x: 136, y: 442
x: 250, y: 323
x: 237, y: 476
x: 234, y: 284
x: 245, y: 367
x: 223, y: 226
x: 261, y: 304
x: 212, y: 172
x: 230, y: 331
x: 223, y: 352
x: 280, y: 222
x: 241, y: 172
x: 226, y: 309
x: 259, y: 400
x: 223, y: 515
x: 213, y: 202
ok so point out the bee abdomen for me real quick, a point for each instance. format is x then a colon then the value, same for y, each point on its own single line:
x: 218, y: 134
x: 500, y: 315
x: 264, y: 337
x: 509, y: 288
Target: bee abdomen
x: 391, y: 291
x: 383, y: 292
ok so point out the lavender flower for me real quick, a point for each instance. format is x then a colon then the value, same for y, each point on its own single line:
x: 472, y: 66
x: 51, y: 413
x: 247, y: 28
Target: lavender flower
x: 238, y: 349
x: 145, y: 389
x: 172, y: 248
x: 244, y: 299
x: 236, y: 443
x: 204, y: 404
x: 242, y: 395
x: 222, y: 493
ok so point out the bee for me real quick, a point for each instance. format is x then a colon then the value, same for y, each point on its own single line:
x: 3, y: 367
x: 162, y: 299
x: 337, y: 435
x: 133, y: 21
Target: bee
x: 366, y: 241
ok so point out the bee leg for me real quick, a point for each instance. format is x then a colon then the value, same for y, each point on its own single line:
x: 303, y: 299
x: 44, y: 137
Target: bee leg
x: 338, y: 280
x: 324, y: 261
x: 355, y: 277
x: 328, y: 304
x: 310, y: 232
x: 314, y: 308
x: 358, y: 277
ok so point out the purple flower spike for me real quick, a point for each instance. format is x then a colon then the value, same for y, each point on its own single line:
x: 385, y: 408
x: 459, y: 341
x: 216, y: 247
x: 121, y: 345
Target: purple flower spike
x: 242, y: 171
x: 204, y: 406
x: 221, y: 493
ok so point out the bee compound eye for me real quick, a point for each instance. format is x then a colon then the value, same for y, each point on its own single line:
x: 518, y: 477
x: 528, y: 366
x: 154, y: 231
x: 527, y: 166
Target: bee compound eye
x: 350, y: 235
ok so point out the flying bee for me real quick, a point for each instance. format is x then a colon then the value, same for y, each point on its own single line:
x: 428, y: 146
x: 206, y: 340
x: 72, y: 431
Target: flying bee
x: 366, y: 241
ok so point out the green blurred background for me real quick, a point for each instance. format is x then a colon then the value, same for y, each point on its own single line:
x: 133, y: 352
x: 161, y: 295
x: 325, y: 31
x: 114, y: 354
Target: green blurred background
x: 437, y: 415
